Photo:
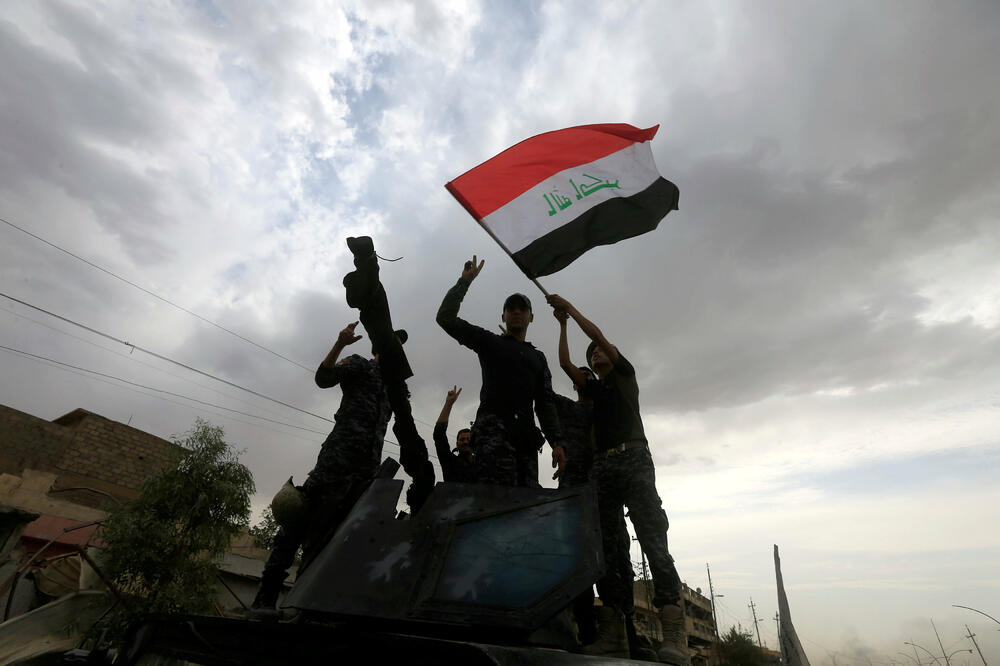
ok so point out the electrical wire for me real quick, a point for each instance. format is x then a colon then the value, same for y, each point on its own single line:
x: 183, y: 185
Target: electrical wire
x: 173, y: 402
x: 153, y: 388
x: 154, y: 295
x: 98, y: 375
x: 171, y: 303
x: 161, y: 357
x: 133, y: 359
x: 170, y: 360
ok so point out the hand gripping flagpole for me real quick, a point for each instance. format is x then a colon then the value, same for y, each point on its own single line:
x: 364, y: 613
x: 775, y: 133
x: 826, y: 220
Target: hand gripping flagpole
x: 475, y: 216
x: 511, y: 255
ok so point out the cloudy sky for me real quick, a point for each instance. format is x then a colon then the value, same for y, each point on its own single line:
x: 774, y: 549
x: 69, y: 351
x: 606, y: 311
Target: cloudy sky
x: 816, y: 330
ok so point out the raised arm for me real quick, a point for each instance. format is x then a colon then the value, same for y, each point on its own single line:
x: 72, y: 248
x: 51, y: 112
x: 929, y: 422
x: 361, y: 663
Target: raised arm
x: 441, y: 444
x: 449, y: 402
x: 470, y: 335
x: 588, y: 327
x: 573, y: 372
x: 329, y: 373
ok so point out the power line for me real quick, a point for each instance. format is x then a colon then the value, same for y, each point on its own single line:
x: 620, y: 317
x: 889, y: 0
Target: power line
x: 154, y: 295
x: 169, y: 302
x: 173, y: 402
x: 102, y: 377
x: 182, y: 365
x: 158, y: 369
x: 161, y: 357
x: 153, y: 388
x: 133, y: 359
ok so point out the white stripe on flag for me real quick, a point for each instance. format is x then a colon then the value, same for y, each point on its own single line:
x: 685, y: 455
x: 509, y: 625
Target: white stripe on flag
x: 560, y: 199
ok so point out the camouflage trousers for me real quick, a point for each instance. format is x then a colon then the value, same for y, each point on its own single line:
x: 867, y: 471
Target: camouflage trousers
x: 627, y: 479
x: 577, y: 473
x: 313, y: 533
x: 579, y: 460
x: 500, y: 459
x: 343, y: 470
x: 618, y: 580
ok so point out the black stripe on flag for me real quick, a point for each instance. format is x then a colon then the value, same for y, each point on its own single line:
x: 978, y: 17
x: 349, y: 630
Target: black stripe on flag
x: 607, y: 223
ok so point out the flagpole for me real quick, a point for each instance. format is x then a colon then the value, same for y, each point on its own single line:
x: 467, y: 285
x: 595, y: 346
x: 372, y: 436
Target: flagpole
x: 510, y: 254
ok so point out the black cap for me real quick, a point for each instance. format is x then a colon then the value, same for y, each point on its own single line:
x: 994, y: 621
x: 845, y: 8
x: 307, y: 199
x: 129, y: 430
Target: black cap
x: 590, y: 352
x: 517, y: 299
x: 401, y: 334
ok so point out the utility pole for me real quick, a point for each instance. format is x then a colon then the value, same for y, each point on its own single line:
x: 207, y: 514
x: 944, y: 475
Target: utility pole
x: 645, y: 581
x: 777, y: 628
x: 753, y: 609
x: 972, y: 637
x: 947, y: 661
x: 711, y: 592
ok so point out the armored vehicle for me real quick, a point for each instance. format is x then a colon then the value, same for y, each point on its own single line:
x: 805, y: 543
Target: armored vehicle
x: 475, y: 577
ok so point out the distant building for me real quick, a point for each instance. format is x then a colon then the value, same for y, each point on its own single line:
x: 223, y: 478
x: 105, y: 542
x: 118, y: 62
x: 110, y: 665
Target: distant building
x: 703, y: 641
x: 703, y: 637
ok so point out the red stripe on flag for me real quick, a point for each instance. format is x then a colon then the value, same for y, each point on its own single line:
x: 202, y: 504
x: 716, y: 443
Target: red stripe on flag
x: 489, y: 186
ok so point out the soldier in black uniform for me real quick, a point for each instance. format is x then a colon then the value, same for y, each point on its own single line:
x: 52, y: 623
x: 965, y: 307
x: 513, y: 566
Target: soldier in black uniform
x: 461, y: 465
x: 347, y: 461
x: 515, y: 378
x: 623, y: 470
x: 576, y: 419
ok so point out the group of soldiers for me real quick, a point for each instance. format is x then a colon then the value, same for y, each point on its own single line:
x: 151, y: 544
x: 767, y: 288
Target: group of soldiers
x: 597, y: 438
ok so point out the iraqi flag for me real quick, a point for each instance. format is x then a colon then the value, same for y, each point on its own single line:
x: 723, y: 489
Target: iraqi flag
x: 552, y: 197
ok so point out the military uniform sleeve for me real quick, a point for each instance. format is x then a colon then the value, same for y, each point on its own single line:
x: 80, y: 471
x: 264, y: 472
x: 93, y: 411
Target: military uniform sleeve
x: 470, y: 335
x: 545, y: 408
x: 345, y: 368
x: 441, y: 446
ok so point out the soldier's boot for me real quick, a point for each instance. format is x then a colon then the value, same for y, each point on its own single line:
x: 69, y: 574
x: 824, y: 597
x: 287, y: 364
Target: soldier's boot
x: 264, y: 606
x: 363, y: 282
x: 612, y: 641
x: 674, y: 649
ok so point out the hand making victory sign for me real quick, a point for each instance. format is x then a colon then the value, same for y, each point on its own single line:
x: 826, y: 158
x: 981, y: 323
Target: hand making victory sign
x: 471, y: 269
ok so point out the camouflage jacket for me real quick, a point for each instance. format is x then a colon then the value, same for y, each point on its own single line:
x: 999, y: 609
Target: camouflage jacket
x: 363, y: 415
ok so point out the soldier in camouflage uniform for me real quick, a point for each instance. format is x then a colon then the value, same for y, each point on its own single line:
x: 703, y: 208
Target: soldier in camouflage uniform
x: 347, y: 461
x: 623, y: 470
x: 574, y: 419
x: 515, y: 379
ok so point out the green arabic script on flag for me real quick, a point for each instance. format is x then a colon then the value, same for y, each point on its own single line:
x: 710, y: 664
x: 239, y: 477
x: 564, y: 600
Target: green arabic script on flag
x: 552, y: 197
x: 558, y: 202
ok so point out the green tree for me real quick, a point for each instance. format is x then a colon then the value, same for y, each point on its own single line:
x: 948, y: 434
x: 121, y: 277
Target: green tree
x: 263, y: 532
x: 162, y: 548
x: 738, y: 649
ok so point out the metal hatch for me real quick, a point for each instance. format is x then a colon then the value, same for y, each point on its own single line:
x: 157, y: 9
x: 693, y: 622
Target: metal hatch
x: 475, y: 555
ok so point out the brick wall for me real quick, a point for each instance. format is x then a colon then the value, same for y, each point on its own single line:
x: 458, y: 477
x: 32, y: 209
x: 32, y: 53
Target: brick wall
x: 28, y: 441
x: 103, y: 449
x: 84, y: 449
